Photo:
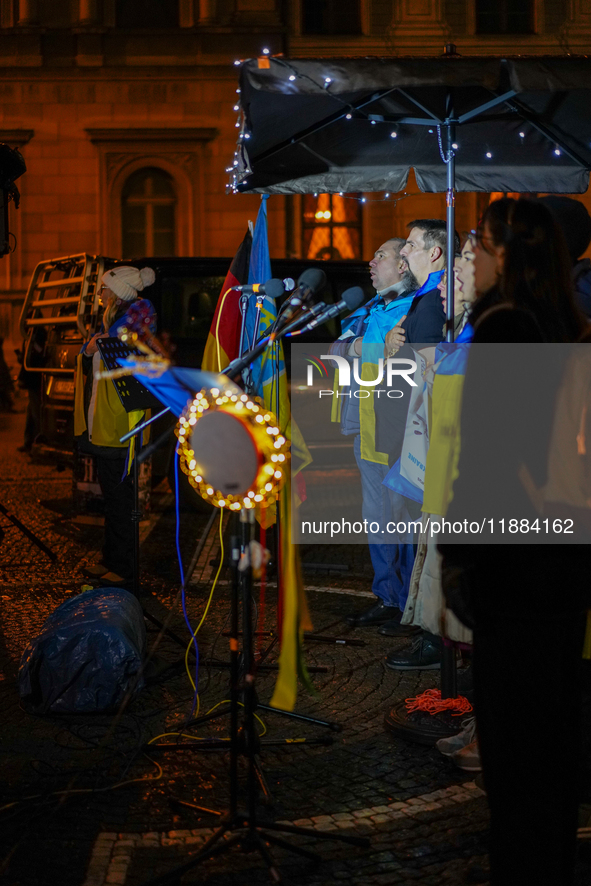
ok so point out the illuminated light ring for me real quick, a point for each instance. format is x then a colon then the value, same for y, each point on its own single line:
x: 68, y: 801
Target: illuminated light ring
x: 257, y: 425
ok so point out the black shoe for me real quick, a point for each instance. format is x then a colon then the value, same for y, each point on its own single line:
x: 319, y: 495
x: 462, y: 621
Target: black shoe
x: 393, y: 628
x: 422, y: 655
x: 375, y: 615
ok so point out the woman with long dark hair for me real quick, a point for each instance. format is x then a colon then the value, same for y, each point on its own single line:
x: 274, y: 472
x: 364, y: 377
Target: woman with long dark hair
x: 526, y: 601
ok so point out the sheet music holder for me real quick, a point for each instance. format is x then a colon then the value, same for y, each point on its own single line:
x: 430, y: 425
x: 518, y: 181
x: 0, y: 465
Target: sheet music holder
x: 132, y: 393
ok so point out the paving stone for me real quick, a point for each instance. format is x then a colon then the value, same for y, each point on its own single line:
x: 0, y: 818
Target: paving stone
x: 366, y: 783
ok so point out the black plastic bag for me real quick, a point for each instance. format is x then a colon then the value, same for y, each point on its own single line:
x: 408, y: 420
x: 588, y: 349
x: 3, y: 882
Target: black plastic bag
x: 87, y: 656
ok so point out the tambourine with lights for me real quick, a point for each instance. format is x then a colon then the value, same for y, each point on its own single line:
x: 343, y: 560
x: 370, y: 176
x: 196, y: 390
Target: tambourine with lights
x: 231, y: 449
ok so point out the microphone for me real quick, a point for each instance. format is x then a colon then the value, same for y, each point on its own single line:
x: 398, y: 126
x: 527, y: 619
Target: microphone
x: 351, y: 299
x: 309, y: 282
x: 311, y: 312
x: 272, y: 288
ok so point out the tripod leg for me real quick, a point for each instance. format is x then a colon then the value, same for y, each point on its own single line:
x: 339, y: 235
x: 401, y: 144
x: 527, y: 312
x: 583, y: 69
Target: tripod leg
x: 273, y: 871
x: 258, y: 767
x: 299, y: 850
x: 319, y: 835
x: 335, y: 727
x: 28, y: 533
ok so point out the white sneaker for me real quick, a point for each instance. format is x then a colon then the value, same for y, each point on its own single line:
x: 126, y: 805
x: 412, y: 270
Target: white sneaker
x: 468, y: 758
x: 448, y: 746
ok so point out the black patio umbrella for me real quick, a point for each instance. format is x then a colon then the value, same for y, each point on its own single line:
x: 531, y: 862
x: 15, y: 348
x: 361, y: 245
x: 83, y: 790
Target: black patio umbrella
x: 468, y: 124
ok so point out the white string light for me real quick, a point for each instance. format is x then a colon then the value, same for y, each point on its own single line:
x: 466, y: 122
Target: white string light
x: 292, y: 77
x: 266, y: 51
x: 489, y: 155
x: 394, y: 134
x: 557, y: 151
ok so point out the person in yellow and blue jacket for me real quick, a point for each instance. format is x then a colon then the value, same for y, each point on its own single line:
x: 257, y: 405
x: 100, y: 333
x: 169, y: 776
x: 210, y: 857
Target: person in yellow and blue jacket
x: 100, y: 421
x: 364, y: 334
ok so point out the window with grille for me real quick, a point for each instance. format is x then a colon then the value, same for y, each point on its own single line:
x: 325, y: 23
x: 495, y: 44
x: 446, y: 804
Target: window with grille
x: 331, y: 17
x: 504, y: 17
x: 148, y: 209
x: 147, y: 13
x: 331, y: 227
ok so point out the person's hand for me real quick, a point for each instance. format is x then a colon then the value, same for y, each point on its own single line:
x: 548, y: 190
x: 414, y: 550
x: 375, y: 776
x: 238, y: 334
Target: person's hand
x: 395, y: 338
x: 91, y: 347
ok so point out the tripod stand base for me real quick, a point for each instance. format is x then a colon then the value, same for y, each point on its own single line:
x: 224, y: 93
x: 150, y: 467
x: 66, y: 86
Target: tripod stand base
x: 250, y: 837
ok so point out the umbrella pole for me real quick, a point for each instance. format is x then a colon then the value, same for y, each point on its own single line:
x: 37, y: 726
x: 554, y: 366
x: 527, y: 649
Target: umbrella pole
x: 450, y: 218
x: 448, y: 653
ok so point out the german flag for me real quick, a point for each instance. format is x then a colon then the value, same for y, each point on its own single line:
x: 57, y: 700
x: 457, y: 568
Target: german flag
x: 223, y: 341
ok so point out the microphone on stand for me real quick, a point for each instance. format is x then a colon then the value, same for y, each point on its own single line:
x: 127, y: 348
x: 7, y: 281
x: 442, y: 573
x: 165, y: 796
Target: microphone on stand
x: 310, y: 282
x: 316, y: 309
x: 351, y: 299
x: 272, y: 288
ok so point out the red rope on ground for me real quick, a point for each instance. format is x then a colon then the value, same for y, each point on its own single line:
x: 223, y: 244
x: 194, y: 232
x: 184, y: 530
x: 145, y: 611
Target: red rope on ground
x: 430, y: 702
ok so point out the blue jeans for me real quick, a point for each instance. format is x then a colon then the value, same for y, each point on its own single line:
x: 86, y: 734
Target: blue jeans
x: 393, y: 562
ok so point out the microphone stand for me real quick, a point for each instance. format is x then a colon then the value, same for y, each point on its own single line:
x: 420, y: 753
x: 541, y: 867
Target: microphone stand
x: 242, y: 827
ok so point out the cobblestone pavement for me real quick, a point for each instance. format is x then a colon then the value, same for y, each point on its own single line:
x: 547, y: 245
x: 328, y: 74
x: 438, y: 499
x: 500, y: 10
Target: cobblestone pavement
x: 85, y: 803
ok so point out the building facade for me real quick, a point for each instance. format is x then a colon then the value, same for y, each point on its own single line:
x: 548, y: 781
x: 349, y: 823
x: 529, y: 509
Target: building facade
x: 123, y: 110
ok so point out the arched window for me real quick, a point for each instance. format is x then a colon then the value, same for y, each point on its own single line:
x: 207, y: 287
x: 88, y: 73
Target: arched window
x: 504, y: 17
x: 331, y: 227
x: 147, y: 13
x: 148, y: 203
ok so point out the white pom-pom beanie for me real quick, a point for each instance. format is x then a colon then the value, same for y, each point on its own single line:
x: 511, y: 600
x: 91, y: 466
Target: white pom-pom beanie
x: 126, y: 281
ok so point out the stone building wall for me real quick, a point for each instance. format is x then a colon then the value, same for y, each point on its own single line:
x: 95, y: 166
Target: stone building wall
x: 89, y: 104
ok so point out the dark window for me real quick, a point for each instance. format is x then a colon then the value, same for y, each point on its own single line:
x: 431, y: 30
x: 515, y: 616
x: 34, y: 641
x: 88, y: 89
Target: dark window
x: 331, y: 17
x: 504, y: 17
x: 147, y: 13
x: 148, y: 204
x: 331, y: 227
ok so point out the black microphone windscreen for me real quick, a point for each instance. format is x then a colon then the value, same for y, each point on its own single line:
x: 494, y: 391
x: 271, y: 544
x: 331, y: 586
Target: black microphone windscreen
x: 312, y: 278
x: 274, y: 288
x: 353, y: 297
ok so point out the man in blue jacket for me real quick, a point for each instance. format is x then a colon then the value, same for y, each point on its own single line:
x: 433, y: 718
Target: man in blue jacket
x: 425, y: 251
x: 365, y: 331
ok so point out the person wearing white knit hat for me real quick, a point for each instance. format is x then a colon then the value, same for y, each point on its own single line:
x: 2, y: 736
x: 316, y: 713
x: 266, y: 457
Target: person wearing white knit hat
x: 121, y: 286
x: 100, y: 421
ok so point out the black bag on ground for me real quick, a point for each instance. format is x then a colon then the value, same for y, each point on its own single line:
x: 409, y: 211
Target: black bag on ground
x: 87, y: 656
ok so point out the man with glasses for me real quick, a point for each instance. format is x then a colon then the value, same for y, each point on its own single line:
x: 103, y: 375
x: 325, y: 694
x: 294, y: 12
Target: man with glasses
x: 425, y: 251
